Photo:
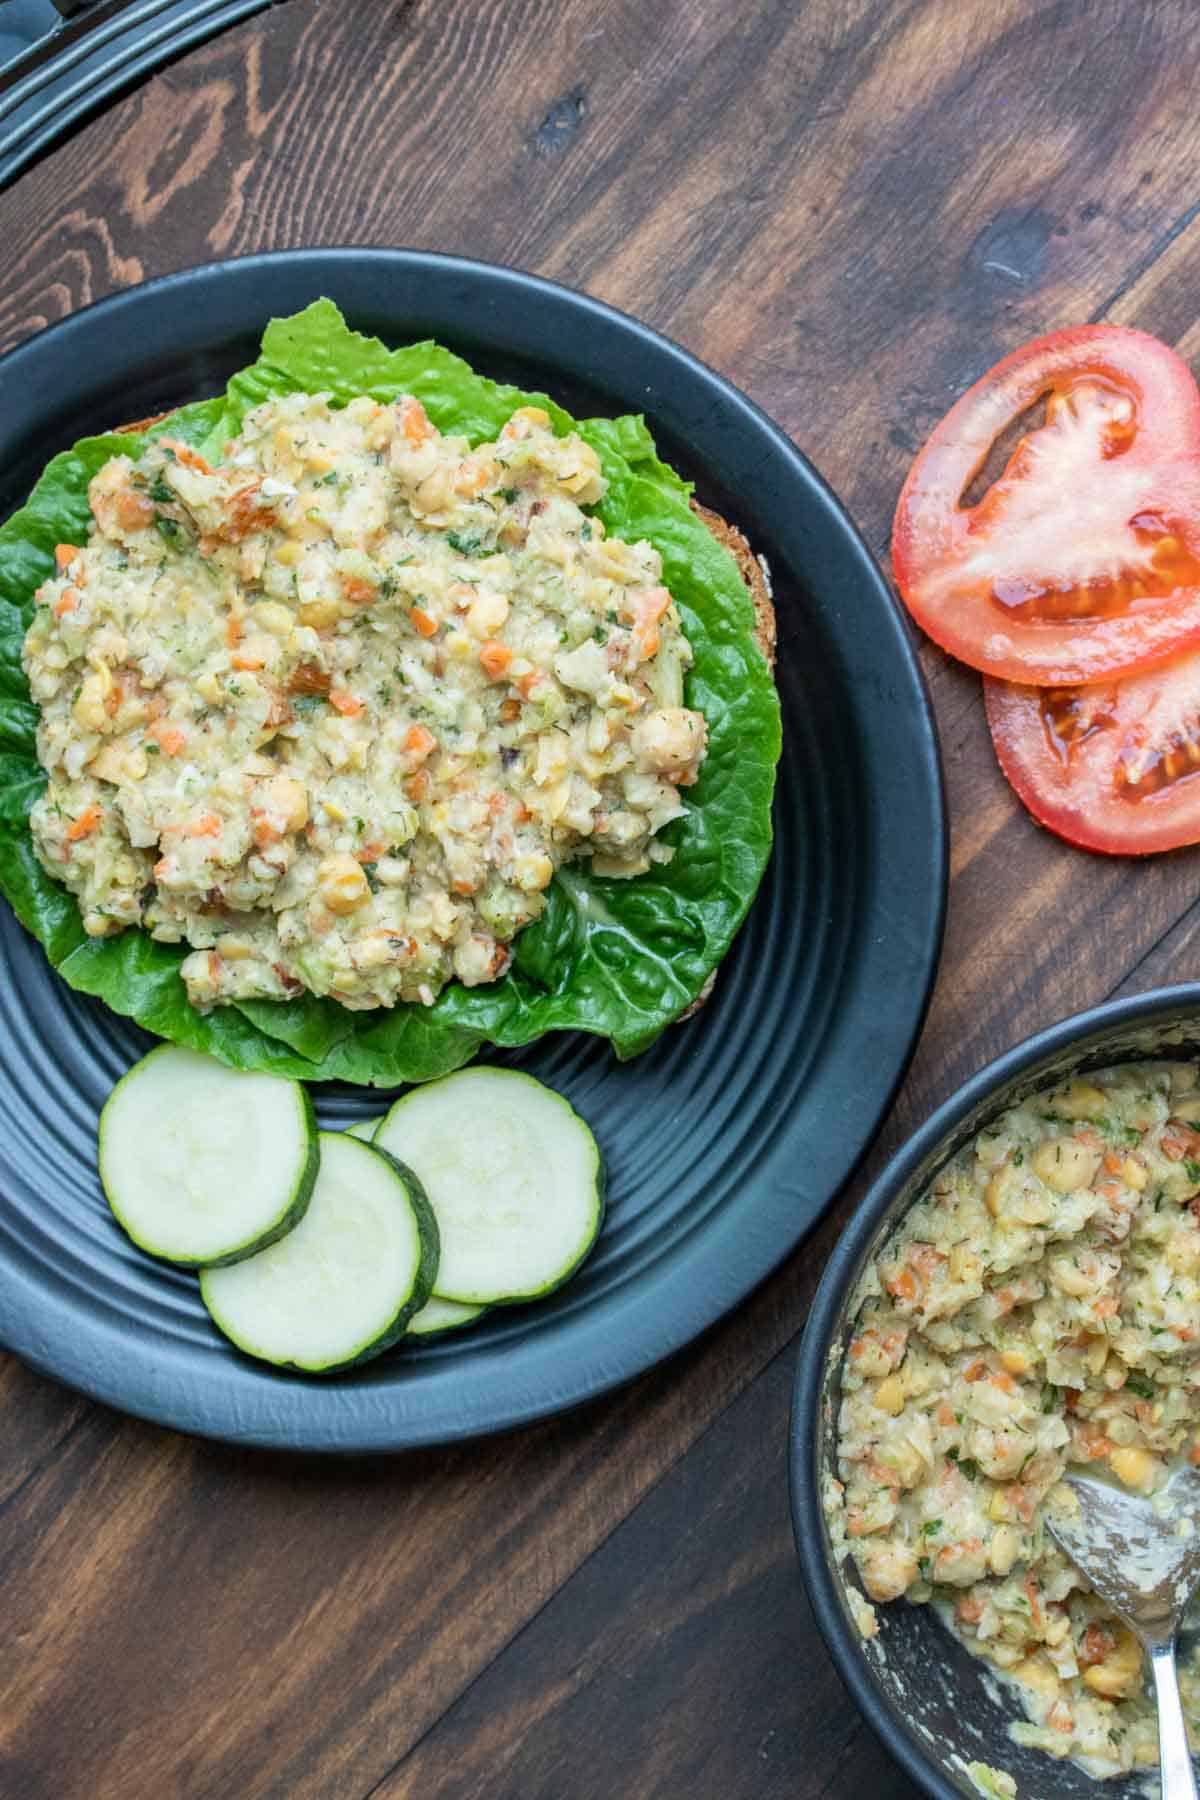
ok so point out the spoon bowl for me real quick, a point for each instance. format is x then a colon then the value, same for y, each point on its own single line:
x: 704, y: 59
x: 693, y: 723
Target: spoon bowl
x: 1142, y: 1555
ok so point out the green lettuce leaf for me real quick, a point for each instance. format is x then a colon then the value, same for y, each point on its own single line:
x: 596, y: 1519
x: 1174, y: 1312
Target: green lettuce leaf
x: 620, y: 959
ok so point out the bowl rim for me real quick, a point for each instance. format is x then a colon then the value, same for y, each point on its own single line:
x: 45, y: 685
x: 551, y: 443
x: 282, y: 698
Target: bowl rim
x: 1157, y: 1006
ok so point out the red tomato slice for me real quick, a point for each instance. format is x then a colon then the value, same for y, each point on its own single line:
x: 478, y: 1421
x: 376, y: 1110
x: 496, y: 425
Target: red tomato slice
x: 1083, y: 559
x: 1113, y: 766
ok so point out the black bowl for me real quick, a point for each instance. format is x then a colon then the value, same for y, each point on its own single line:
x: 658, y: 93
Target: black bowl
x: 930, y: 1701
x: 723, y: 1143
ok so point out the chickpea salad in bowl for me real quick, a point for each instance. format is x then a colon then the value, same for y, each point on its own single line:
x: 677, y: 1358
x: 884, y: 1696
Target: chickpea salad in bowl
x: 1038, y: 1309
x: 374, y: 688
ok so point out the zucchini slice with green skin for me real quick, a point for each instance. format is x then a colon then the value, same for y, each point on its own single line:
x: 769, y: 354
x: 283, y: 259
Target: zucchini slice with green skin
x: 205, y: 1165
x: 365, y: 1128
x: 436, y: 1315
x: 343, y: 1285
x: 513, y: 1175
x: 439, y: 1315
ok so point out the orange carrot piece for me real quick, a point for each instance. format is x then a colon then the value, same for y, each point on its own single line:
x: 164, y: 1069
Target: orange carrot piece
x: 64, y: 556
x: 67, y: 602
x: 417, y: 786
x: 191, y: 459
x: 133, y: 510
x: 246, y: 662
x: 349, y: 705
x: 414, y: 420
x: 419, y: 740
x: 422, y: 622
x: 168, y: 739
x: 358, y: 591
x: 207, y: 825
x: 494, y: 658
x: 85, y: 824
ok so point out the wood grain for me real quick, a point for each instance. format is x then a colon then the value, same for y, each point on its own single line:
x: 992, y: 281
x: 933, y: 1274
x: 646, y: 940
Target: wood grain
x: 851, y: 210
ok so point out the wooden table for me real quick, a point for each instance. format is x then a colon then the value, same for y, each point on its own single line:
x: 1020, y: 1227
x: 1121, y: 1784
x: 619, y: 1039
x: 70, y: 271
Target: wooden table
x: 851, y: 208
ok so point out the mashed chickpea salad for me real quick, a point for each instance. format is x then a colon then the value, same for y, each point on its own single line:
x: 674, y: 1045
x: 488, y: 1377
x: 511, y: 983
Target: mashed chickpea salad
x: 1038, y: 1309
x: 371, y: 711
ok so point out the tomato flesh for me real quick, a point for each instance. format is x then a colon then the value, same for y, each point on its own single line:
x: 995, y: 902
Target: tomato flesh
x: 1113, y: 766
x: 1082, y: 559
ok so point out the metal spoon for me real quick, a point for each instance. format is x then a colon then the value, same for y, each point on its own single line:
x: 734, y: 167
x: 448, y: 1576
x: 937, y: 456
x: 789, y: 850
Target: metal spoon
x: 1143, y: 1557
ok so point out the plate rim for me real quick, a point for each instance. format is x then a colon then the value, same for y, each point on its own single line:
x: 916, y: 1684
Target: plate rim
x: 166, y: 1395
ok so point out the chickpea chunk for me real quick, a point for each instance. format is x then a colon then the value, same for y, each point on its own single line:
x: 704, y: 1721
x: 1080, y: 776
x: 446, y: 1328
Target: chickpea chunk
x: 91, y: 703
x: 284, y: 799
x: 887, y: 1570
x: 1034, y: 1672
x: 320, y: 614
x: 1003, y: 1550
x: 671, y: 738
x: 889, y: 1396
x: 1119, y: 1675
x: 1080, y: 1100
x: 1065, y: 1165
x: 271, y: 616
x: 341, y: 884
x: 1136, y: 1468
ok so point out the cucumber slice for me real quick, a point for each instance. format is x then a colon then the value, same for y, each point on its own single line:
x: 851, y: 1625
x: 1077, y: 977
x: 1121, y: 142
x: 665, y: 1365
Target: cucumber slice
x: 513, y: 1175
x: 442, y: 1315
x: 205, y: 1165
x: 343, y: 1285
x: 364, y: 1128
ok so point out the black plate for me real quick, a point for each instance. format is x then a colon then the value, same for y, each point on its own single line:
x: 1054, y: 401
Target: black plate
x: 726, y: 1142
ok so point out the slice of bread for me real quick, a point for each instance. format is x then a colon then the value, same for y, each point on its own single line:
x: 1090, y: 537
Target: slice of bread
x: 754, y: 573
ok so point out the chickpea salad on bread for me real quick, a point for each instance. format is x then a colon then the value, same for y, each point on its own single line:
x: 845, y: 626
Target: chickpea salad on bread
x: 333, y: 711
x: 1037, y: 1310
x: 385, y: 712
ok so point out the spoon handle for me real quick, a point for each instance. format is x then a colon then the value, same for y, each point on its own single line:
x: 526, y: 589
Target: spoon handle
x: 1178, y: 1780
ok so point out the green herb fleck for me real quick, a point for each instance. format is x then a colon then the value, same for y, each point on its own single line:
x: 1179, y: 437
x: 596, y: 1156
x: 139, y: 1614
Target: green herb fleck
x: 373, y: 881
x: 509, y: 495
x: 1192, y: 1169
x: 307, y: 703
x: 468, y: 543
x: 1018, y: 1158
x: 162, y: 494
x: 585, y: 531
x: 931, y: 1526
x: 1049, y: 1397
x: 151, y: 749
x: 1140, y: 1385
x: 166, y: 528
x: 600, y: 633
x: 330, y: 480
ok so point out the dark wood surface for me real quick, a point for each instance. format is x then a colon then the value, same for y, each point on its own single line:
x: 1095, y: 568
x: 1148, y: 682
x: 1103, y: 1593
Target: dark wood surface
x: 850, y: 207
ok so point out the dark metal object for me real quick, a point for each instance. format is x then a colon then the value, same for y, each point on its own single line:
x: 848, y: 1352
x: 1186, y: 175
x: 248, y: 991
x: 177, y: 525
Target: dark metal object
x: 727, y: 1141
x: 924, y: 1694
x: 1143, y: 1557
x: 61, y: 59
